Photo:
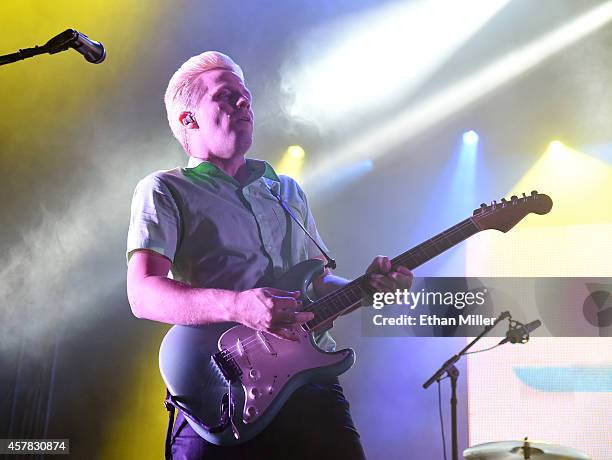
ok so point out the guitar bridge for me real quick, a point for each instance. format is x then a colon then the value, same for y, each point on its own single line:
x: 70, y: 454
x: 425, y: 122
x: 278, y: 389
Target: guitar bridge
x: 227, y: 365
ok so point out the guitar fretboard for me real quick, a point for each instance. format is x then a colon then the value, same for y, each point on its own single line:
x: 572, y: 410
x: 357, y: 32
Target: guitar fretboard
x: 332, y: 305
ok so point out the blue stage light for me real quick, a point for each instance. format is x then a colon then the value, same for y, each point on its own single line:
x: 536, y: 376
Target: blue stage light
x: 470, y: 137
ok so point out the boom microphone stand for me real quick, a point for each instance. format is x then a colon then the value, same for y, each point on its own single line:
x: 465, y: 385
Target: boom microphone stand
x: 91, y: 50
x: 451, y: 370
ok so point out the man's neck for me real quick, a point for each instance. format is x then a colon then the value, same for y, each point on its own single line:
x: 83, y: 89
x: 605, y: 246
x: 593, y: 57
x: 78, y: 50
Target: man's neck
x: 234, y: 167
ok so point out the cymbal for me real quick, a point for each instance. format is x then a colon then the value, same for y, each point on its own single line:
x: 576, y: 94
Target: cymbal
x: 521, y: 450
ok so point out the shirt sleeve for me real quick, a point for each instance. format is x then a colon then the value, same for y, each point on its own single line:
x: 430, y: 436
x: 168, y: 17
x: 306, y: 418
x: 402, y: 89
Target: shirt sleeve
x: 155, y: 218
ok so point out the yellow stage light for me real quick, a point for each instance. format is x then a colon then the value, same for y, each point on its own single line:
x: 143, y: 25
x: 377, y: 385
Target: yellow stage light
x: 63, y: 94
x: 574, y: 239
x: 296, y: 151
x: 292, y: 162
x: 557, y: 148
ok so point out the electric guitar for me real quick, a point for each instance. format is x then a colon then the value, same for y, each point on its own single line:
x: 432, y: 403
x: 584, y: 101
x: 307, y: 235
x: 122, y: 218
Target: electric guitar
x: 230, y: 381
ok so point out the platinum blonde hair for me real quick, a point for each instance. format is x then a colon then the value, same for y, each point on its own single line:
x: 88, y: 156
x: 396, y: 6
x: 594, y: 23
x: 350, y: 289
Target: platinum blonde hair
x: 184, y: 91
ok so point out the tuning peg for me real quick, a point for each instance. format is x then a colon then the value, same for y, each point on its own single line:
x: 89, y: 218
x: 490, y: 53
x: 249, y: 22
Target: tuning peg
x: 493, y: 204
x: 481, y: 209
x: 534, y: 193
x: 524, y: 196
x: 514, y: 199
x: 504, y: 202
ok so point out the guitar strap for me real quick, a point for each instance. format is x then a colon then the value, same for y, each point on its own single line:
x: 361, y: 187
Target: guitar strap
x: 170, y: 407
x: 330, y: 263
x: 171, y: 404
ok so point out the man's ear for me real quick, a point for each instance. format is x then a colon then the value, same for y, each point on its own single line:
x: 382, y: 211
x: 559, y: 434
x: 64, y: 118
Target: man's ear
x: 187, y: 119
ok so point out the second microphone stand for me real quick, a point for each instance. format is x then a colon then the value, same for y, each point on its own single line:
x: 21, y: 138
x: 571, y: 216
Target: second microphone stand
x: 452, y: 372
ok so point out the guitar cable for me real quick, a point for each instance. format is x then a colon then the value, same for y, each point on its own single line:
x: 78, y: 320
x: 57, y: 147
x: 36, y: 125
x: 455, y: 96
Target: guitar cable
x: 231, y: 408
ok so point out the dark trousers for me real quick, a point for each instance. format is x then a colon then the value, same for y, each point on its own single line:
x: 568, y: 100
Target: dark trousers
x: 315, y: 423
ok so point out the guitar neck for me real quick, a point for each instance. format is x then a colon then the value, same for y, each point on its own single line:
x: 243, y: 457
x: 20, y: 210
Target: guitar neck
x: 331, y: 306
x: 443, y: 241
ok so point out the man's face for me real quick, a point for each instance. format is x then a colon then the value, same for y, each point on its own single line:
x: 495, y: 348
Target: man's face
x: 224, y: 117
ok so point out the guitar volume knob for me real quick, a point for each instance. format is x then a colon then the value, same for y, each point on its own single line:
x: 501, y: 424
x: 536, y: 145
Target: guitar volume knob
x: 251, y: 413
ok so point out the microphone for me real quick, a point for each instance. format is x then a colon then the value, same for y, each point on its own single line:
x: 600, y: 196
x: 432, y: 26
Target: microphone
x: 91, y: 50
x: 520, y: 334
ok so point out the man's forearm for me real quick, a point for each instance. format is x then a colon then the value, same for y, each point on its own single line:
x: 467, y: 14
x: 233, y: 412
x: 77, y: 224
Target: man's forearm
x: 159, y: 298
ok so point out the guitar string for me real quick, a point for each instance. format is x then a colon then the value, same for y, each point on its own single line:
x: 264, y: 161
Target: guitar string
x: 248, y: 341
x: 458, y: 228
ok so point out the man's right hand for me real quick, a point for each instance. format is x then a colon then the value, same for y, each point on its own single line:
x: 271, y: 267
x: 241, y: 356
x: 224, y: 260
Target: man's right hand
x: 154, y: 296
x: 271, y: 310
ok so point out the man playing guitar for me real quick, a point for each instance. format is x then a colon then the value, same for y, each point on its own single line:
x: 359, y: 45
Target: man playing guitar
x: 218, y: 228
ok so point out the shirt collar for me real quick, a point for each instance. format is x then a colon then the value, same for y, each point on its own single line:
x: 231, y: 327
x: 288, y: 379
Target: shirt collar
x: 258, y: 169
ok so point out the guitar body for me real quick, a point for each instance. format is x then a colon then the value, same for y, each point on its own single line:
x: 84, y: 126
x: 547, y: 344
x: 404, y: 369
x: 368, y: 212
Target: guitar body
x: 197, y: 363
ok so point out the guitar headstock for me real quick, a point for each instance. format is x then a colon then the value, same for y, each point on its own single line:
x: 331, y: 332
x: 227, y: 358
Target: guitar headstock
x: 506, y: 214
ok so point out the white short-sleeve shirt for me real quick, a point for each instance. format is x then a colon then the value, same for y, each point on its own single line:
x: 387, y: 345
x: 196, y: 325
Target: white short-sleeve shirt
x: 220, y: 234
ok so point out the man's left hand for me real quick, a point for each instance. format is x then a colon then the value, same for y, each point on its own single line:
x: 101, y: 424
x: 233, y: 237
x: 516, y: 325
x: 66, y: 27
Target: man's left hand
x: 385, y: 278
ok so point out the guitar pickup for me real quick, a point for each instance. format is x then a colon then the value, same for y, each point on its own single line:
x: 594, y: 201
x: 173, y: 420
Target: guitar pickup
x: 266, y: 343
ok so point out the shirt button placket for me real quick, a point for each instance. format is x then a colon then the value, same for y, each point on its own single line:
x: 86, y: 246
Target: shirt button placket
x: 259, y: 215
